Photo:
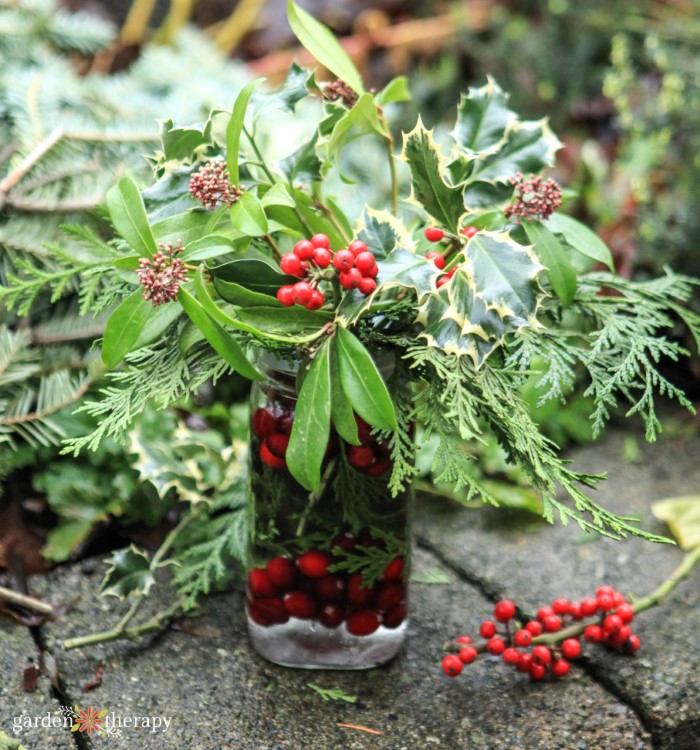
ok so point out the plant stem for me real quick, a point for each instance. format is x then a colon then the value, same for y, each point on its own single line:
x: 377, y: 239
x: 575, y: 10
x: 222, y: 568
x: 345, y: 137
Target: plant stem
x: 28, y: 602
x: 112, y: 635
x: 315, y: 496
x: 389, y: 145
x: 273, y: 244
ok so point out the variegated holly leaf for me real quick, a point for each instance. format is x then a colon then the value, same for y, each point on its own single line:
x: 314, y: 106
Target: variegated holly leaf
x: 430, y: 189
x: 400, y: 269
x: 130, y: 573
x: 483, y: 118
x: 296, y: 87
x: 494, y: 292
x: 380, y: 231
x: 528, y: 147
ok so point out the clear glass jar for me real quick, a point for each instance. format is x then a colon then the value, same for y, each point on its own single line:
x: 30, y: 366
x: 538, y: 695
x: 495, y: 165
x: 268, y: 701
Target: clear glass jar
x: 328, y: 574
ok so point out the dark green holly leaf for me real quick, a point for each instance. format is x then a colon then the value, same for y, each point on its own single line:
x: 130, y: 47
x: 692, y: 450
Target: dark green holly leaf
x: 123, y: 328
x: 429, y: 190
x: 235, y: 128
x: 332, y: 113
x: 380, y: 231
x: 480, y: 194
x: 312, y: 421
x: 180, y: 144
x: 581, y: 238
x: 395, y: 91
x: 220, y: 340
x: 289, y: 94
x: 561, y: 273
x: 323, y: 45
x: 342, y: 415
x: 206, y: 248
x: 248, y: 216
x: 362, y: 383
x: 129, y: 573
x: 128, y: 214
x: 303, y: 166
x: 483, y: 118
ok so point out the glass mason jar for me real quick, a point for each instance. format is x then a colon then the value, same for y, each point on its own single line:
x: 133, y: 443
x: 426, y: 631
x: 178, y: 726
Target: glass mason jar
x: 328, y: 570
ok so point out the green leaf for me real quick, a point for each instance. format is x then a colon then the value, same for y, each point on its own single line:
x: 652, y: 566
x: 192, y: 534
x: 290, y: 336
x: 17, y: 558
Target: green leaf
x: 128, y: 214
x: 158, y: 322
x: 303, y: 166
x: 483, y: 118
x: 254, y: 274
x: 395, y: 91
x: 581, y: 238
x: 63, y: 539
x: 220, y: 340
x: 380, y: 231
x: 429, y: 190
x: 360, y: 120
x: 323, y: 45
x: 130, y: 573
x: 188, y: 226
x: 312, y: 421
x: 180, y: 144
x: 289, y: 94
x: 241, y: 296
x: 332, y: 694
x: 205, y: 248
x: 561, y: 273
x: 248, y: 216
x: 123, y: 328
x: 278, y: 195
x: 362, y: 383
x: 682, y: 514
x: 342, y: 415
x: 235, y: 128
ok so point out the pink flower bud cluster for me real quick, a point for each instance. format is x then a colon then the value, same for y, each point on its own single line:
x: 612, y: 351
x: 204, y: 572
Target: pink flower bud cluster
x: 340, y: 90
x: 211, y: 185
x: 534, y: 198
x: 161, y: 275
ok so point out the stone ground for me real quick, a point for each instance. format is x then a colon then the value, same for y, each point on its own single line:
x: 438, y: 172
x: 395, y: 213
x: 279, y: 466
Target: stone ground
x: 220, y: 695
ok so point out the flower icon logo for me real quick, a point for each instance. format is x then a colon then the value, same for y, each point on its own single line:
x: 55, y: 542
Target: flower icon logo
x: 89, y: 720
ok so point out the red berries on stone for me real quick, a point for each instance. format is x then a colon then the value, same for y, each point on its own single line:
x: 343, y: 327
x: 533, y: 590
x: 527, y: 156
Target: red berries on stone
x: 434, y: 234
x: 571, y: 648
x: 468, y: 654
x: 504, y: 610
x: 452, y: 665
x: 487, y: 629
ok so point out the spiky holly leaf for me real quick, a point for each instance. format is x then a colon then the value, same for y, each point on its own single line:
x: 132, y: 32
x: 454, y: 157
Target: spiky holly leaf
x: 130, y: 573
x: 430, y: 189
x: 380, y: 231
x: 295, y: 88
x: 180, y: 144
x: 494, y: 292
x: 400, y: 269
x: 483, y: 118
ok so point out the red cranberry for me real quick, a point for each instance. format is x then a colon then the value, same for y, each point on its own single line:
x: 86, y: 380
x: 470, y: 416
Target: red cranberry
x: 285, y: 422
x: 274, y: 462
x: 393, y: 570
x: 321, y: 241
x: 273, y: 609
x: 300, y: 605
x: 314, y: 563
x: 277, y: 443
x: 357, y: 246
x: 332, y: 615
x: 345, y: 541
x: 468, y: 654
x: 260, y: 585
x: 362, y: 622
x: 360, y: 456
x: 356, y: 593
x: 257, y: 616
x: 364, y: 430
x: 378, y: 468
x: 304, y: 250
x: 388, y: 596
x: 262, y: 423
x: 395, y: 616
x: 281, y: 571
x: 329, y: 589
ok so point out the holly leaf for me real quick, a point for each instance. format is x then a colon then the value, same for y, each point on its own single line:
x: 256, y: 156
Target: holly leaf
x: 429, y: 189
x: 123, y: 328
x: 180, y: 144
x: 483, y: 118
x: 312, y: 423
x: 130, y: 573
x: 682, y: 514
x: 561, y: 273
x: 380, y: 231
x: 289, y: 94
x: 128, y: 215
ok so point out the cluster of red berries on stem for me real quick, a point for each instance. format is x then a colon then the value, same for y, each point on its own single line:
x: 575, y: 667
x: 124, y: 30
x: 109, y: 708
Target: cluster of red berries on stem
x: 306, y: 588
x: 435, y: 234
x: 354, y: 268
x: 548, y: 643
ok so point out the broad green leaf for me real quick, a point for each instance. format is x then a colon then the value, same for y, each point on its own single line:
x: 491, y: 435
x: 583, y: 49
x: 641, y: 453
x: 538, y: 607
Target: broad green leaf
x: 342, y: 415
x: 493, y: 221
x: 312, y: 422
x: 188, y: 227
x: 128, y: 214
x: 302, y: 167
x: 485, y: 195
x: 317, y: 221
x: 682, y: 514
x: 483, y: 119
x: 581, y: 238
x: 248, y: 216
x: 63, y: 539
x: 127, y: 263
x: 362, y: 383
x: 241, y: 296
x: 235, y: 128
x: 129, y: 573
x: 323, y: 45
x: 428, y: 187
x: 220, y: 340
x: 278, y: 195
x: 552, y: 254
x: 395, y: 91
x: 123, y: 328
x: 158, y: 322
x: 254, y: 274
x: 180, y: 144
x: 206, y: 248
x: 360, y: 120
x: 340, y: 216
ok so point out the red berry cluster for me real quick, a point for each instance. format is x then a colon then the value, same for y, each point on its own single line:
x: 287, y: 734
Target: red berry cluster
x: 435, y: 234
x: 305, y: 589
x: 273, y: 426
x: 554, y: 634
x: 372, y: 457
x: 356, y: 268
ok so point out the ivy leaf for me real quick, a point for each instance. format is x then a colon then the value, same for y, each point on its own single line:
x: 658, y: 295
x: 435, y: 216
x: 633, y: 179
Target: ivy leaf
x: 561, y: 273
x: 128, y: 214
x: 362, y: 383
x: 362, y: 119
x: 235, y: 128
x: 581, y: 238
x: 312, y: 423
x: 248, y: 216
x: 342, y: 415
x: 130, y: 573
x: 206, y: 248
x: 303, y: 166
x: 220, y: 340
x: 682, y: 514
x: 321, y: 43
x: 180, y: 144
x: 429, y: 190
x: 123, y: 328
x: 277, y: 195
x: 394, y: 92
x: 483, y: 118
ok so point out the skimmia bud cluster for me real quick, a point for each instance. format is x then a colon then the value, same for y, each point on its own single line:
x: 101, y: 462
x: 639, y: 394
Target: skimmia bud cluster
x: 435, y: 234
x: 313, y: 261
x: 211, y: 185
x: 534, y: 198
x: 548, y: 643
x: 161, y: 275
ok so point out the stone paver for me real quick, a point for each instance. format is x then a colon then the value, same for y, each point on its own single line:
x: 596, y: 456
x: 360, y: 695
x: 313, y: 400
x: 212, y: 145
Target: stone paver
x: 663, y: 680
